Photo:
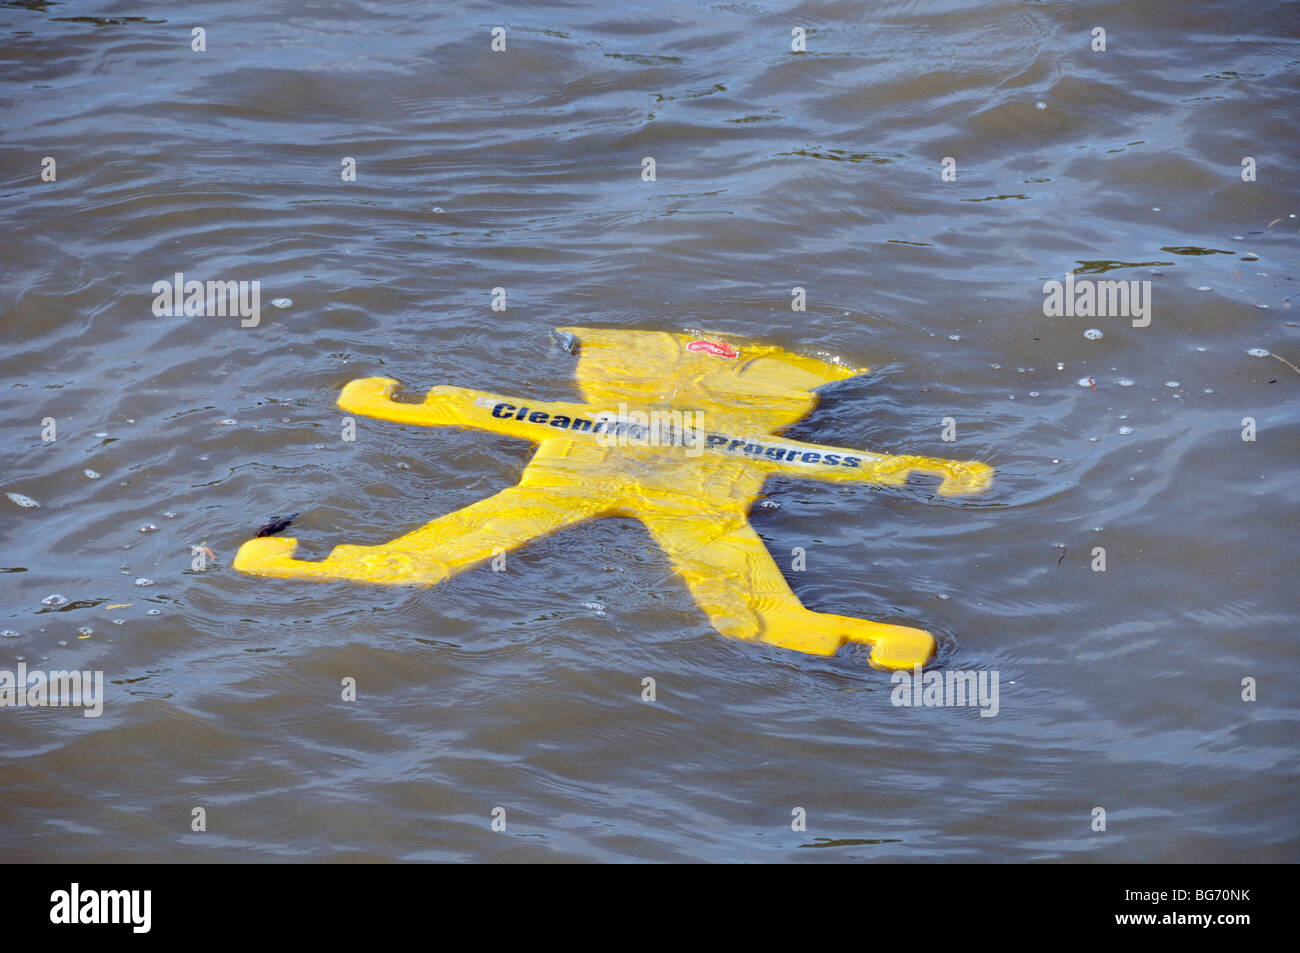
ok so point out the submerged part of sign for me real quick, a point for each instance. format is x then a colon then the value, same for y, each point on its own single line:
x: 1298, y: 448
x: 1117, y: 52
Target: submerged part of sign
x: 679, y: 431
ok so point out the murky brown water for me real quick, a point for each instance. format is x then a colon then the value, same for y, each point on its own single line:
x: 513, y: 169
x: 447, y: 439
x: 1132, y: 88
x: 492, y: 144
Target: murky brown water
x: 523, y: 170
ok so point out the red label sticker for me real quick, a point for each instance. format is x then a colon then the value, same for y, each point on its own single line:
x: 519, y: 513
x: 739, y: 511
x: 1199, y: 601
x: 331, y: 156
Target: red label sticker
x: 713, y: 347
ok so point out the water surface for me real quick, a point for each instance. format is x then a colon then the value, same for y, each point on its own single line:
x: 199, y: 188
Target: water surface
x: 523, y: 170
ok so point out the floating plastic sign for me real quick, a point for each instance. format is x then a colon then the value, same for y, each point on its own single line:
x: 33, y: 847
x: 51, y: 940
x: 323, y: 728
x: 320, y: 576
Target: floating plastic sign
x: 678, y: 431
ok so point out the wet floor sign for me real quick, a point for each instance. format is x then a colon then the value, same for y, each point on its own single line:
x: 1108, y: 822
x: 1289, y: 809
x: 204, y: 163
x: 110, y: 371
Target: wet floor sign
x: 678, y: 431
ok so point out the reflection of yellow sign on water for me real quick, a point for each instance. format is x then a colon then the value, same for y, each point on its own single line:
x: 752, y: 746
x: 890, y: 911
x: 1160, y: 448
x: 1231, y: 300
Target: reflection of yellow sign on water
x: 691, y: 487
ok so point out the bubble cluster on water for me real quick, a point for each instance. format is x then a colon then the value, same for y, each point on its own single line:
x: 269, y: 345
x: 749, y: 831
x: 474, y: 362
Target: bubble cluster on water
x: 55, y: 600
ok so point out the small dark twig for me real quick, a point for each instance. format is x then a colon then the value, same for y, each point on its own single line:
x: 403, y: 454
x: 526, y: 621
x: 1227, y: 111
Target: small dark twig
x: 273, y: 527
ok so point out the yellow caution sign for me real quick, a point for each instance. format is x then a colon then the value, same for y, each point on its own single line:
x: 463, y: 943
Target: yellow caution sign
x: 678, y: 431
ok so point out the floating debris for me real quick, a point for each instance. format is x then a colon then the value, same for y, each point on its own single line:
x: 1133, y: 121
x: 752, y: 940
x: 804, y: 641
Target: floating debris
x: 153, y: 611
x: 227, y: 422
x: 282, y: 303
x: 1126, y: 383
x: 148, y: 528
x: 90, y: 474
x: 275, y: 525
x: 1126, y: 430
x: 144, y: 581
x: 9, y: 634
x: 1087, y: 382
x: 86, y: 632
x: 1092, y: 334
x: 22, y: 500
x: 1171, y: 383
x: 1260, y: 352
x: 119, y: 605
